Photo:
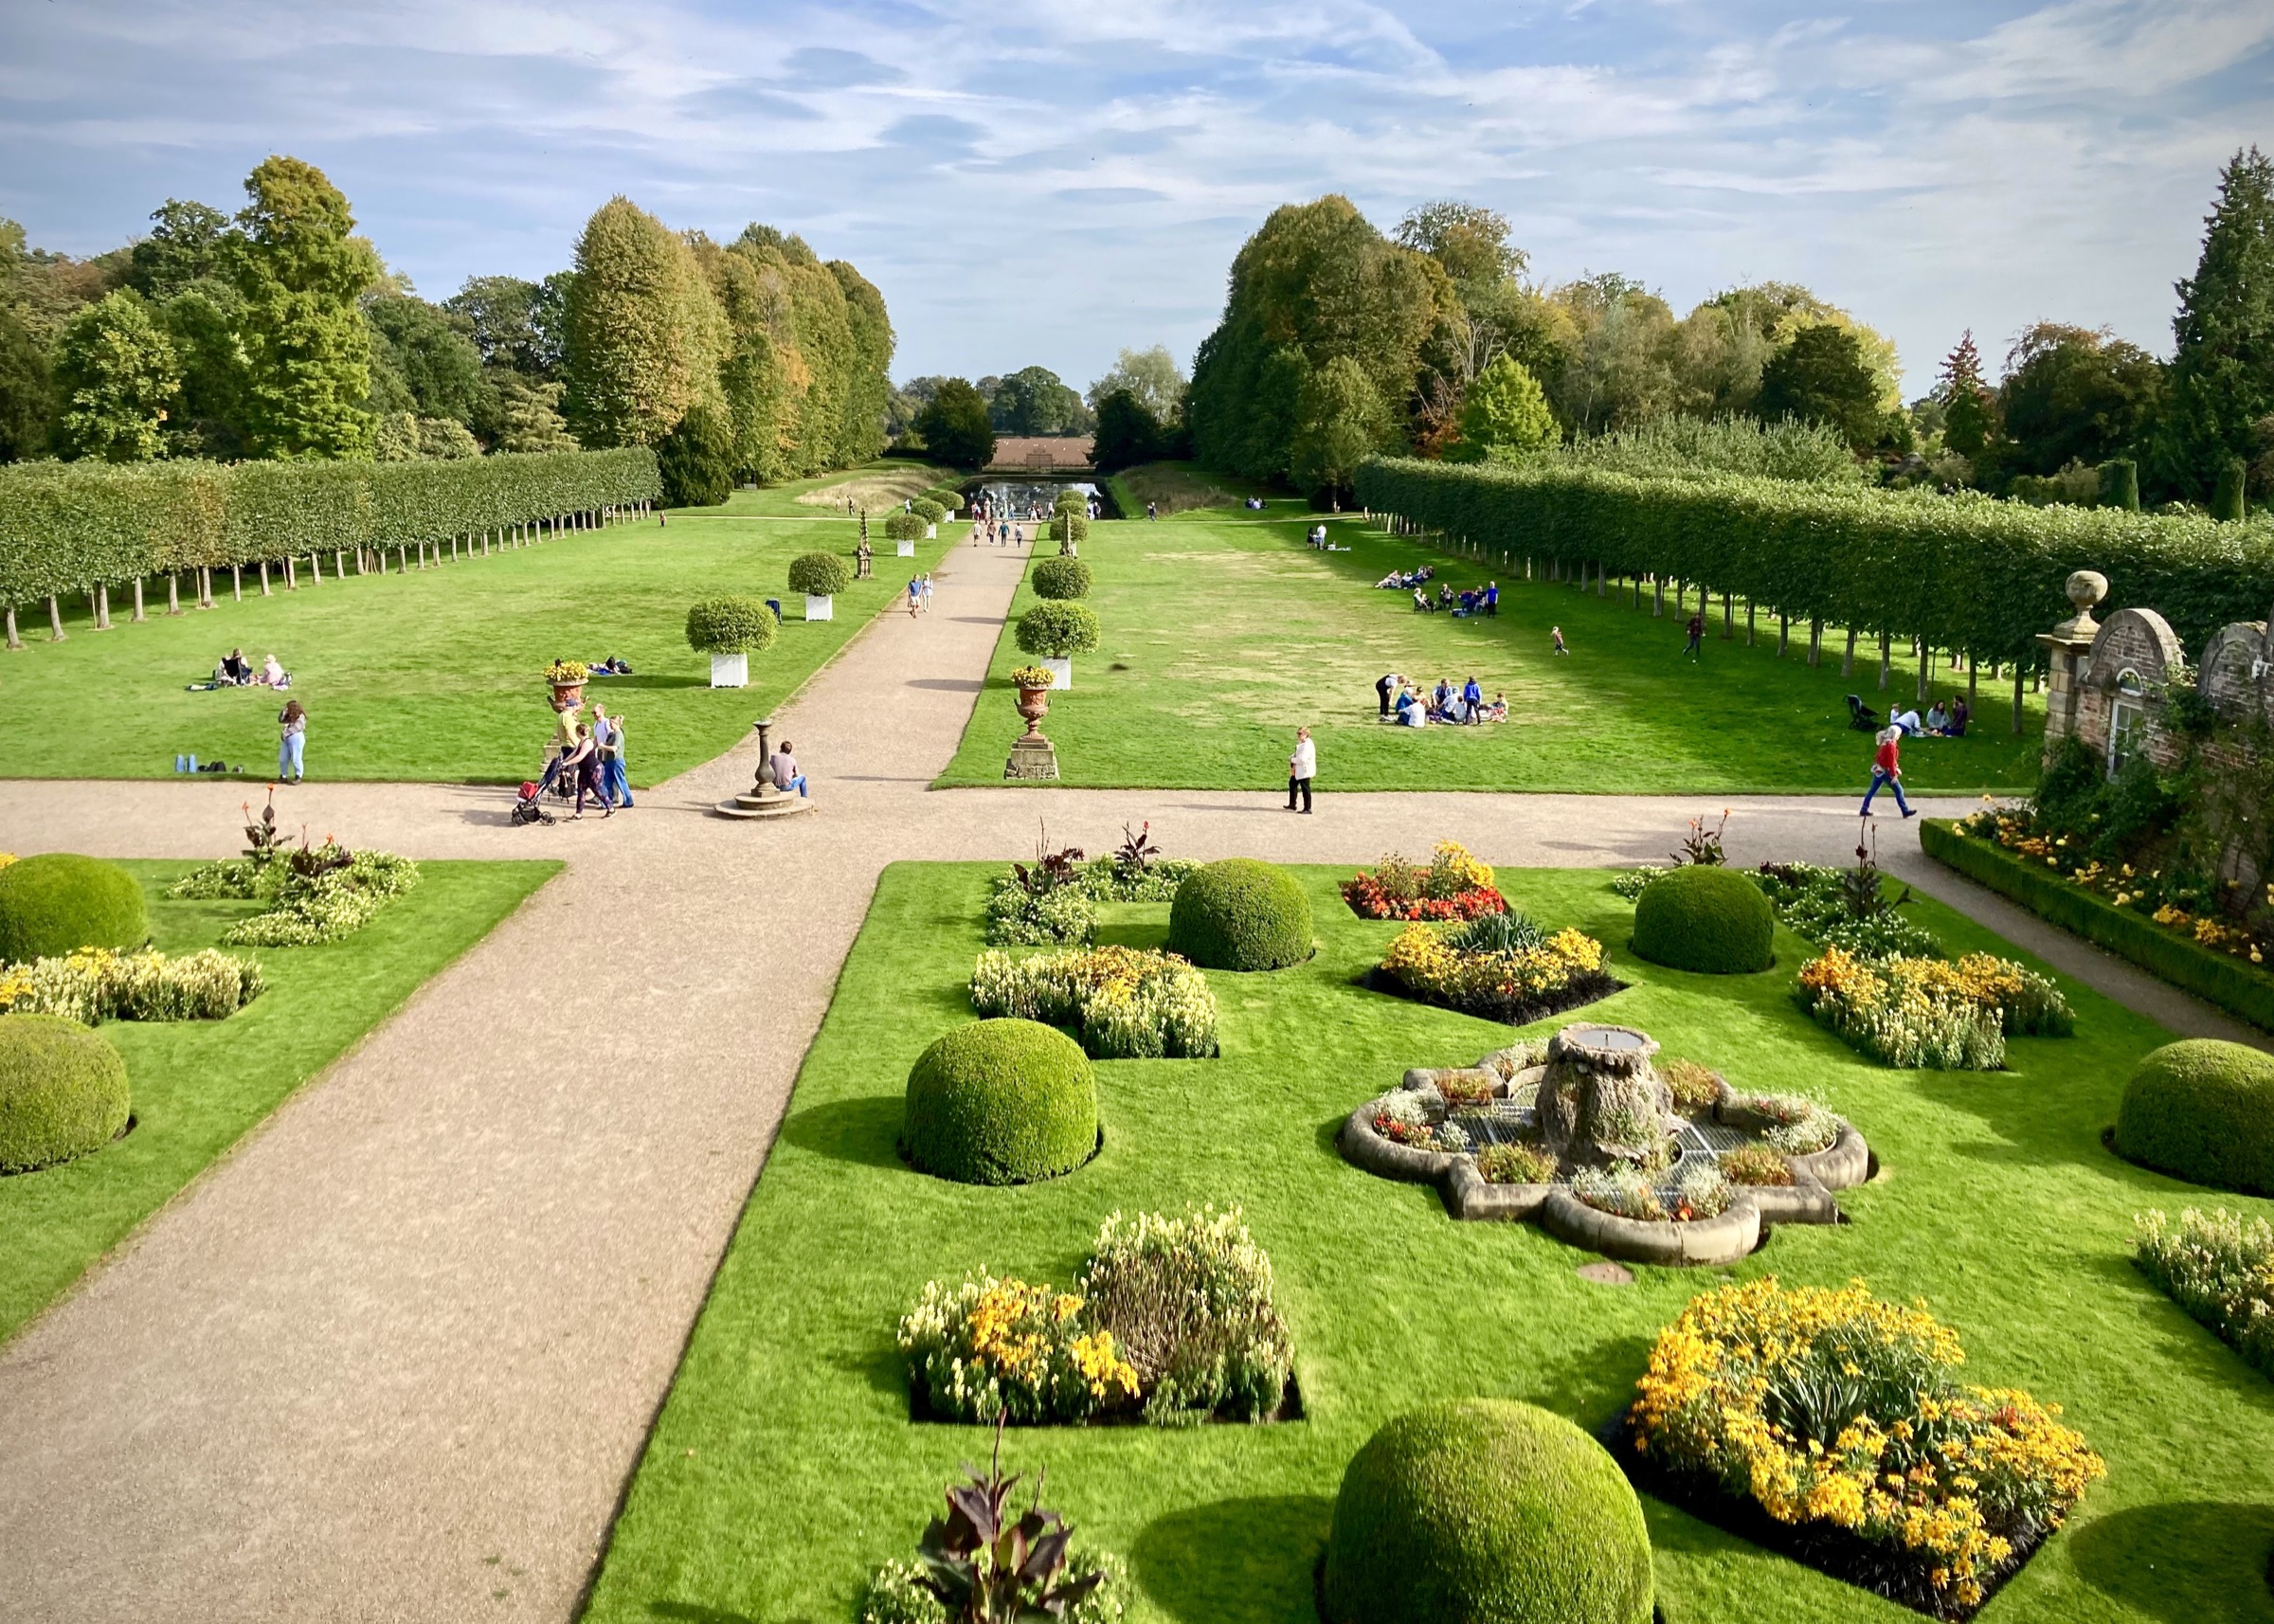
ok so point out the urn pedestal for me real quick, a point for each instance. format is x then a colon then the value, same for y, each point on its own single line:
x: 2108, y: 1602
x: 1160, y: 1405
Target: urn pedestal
x: 1032, y: 755
x: 764, y: 798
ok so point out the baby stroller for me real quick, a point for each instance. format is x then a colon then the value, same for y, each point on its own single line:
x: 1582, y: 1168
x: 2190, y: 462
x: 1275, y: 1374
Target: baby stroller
x: 528, y: 806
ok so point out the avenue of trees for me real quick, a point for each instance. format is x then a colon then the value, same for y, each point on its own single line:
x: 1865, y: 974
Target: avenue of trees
x: 1338, y: 342
x: 278, y: 332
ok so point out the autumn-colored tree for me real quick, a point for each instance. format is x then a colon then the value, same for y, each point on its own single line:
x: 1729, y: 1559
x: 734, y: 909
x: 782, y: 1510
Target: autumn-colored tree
x: 644, y: 336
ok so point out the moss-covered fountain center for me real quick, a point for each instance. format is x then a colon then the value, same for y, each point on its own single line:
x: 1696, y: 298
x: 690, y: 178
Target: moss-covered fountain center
x: 1606, y: 1152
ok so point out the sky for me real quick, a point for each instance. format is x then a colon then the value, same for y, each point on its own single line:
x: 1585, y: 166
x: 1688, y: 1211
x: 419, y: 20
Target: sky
x: 1046, y: 181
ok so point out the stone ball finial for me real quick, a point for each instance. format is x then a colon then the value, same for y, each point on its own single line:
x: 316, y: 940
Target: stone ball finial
x: 2085, y: 589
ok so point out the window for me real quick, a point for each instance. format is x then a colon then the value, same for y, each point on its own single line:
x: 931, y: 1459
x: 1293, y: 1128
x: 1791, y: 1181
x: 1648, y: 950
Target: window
x: 2128, y: 720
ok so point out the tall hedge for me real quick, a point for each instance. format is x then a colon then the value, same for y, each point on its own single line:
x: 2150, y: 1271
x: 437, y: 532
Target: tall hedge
x: 66, y: 527
x: 1963, y: 573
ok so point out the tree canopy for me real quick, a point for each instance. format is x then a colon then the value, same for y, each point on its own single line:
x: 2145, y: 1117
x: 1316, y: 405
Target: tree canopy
x: 1820, y: 377
x: 2222, y: 372
x: 299, y: 269
x: 1150, y: 376
x: 117, y: 372
x: 955, y: 427
x: 1505, y: 414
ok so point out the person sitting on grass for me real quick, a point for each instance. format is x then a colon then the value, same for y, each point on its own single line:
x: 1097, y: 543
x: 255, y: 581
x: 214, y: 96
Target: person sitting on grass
x: 1456, y: 711
x: 236, y: 668
x: 1959, y: 716
x: 1440, y: 694
x: 273, y: 675
x: 1445, y: 595
x: 1498, y: 710
x: 1421, y: 600
x: 1937, y: 719
x: 1908, y: 721
x: 1411, y: 711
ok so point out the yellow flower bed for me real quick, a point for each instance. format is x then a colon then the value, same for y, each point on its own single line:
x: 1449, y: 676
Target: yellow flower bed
x: 1932, y: 1012
x: 95, y: 984
x: 1826, y: 1406
x: 1421, y: 958
x: 988, y: 1346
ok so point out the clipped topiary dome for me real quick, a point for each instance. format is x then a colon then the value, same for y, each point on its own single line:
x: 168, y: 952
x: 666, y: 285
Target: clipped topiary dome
x: 819, y: 574
x: 730, y: 625
x: 62, y: 1091
x: 1485, y: 1511
x: 1071, y: 501
x: 1059, y: 631
x: 2203, y: 1110
x: 1709, y: 919
x: 902, y: 527
x: 1063, y: 579
x: 1240, y: 914
x: 928, y: 509
x: 1069, y: 527
x: 57, y: 902
x: 1001, y: 1102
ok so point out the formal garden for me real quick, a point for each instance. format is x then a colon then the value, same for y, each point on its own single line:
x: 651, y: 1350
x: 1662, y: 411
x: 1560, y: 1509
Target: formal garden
x: 1221, y: 632
x: 435, y: 669
x: 1828, y: 1256
x: 153, y: 1013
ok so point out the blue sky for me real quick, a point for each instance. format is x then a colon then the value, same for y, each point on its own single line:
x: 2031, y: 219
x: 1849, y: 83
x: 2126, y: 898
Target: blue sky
x: 1046, y: 180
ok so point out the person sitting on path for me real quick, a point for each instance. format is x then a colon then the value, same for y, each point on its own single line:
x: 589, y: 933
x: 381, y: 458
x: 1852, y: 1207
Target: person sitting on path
x: 787, y: 775
x: 1887, y: 770
x: 292, y: 743
x: 1301, y: 767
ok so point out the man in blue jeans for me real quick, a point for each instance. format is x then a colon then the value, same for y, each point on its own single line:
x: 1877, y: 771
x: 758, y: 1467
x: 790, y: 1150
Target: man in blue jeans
x: 787, y: 775
x: 1887, y: 771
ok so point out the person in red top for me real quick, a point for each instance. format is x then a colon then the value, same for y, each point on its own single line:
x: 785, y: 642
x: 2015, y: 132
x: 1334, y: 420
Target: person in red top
x: 1886, y: 770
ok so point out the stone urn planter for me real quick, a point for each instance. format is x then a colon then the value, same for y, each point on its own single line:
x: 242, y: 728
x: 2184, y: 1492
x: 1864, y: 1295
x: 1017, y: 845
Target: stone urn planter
x: 1034, y: 704
x: 568, y: 696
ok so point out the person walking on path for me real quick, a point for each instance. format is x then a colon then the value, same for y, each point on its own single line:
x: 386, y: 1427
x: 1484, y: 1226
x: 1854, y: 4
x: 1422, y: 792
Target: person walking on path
x: 616, y: 788
x: 1301, y: 768
x: 915, y: 596
x: 292, y: 743
x: 1887, y: 771
x: 586, y: 762
x: 928, y: 592
x: 1697, y: 633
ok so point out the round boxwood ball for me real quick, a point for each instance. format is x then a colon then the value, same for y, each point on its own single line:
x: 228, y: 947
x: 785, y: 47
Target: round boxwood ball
x: 1060, y: 578
x: 1485, y: 1511
x: 1240, y: 914
x: 730, y: 625
x: 1001, y: 1102
x: 819, y: 574
x: 57, y: 902
x: 2203, y: 1110
x: 1710, y: 919
x: 62, y: 1091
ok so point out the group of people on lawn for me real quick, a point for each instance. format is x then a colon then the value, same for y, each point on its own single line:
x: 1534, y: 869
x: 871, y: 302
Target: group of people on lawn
x: 1410, y: 707
x: 1942, y: 721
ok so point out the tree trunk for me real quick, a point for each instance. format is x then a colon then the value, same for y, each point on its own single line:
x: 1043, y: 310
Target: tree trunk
x: 102, y: 607
x: 315, y: 568
x: 2018, y: 700
x: 1784, y: 633
x: 138, y: 616
x: 1973, y: 685
x: 1815, y: 639
x: 13, y: 640
x: 1750, y: 606
x: 1657, y: 597
x: 1728, y: 617
x: 291, y: 574
x: 1926, y: 661
x: 265, y: 593
x: 204, y: 586
x: 173, y: 592
x: 1886, y: 656
x: 1599, y: 589
x: 55, y: 621
x: 1847, y: 660
x: 339, y: 562
x: 401, y: 560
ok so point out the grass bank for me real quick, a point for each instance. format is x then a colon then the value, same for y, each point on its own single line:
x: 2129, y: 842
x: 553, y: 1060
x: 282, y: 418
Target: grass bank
x: 785, y: 1468
x: 199, y: 1084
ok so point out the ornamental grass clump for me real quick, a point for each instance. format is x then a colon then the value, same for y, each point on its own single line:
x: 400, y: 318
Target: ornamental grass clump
x: 1126, y: 1004
x: 97, y: 985
x: 1188, y: 1302
x: 1833, y: 1412
x: 1932, y: 1012
x: 1453, y: 885
x: 2220, y: 1268
x: 1557, y: 972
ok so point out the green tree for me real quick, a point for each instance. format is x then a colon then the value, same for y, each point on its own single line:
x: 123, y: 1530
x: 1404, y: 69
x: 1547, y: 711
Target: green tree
x: 2222, y: 371
x: 644, y: 334
x: 2072, y: 394
x: 1820, y: 377
x: 1034, y: 400
x: 503, y: 317
x: 868, y: 382
x: 1340, y: 422
x: 1128, y: 432
x: 1618, y: 368
x: 188, y: 244
x: 697, y: 459
x: 524, y: 414
x: 115, y: 378
x: 1150, y: 377
x: 209, y: 419
x: 308, y: 353
x: 26, y: 392
x: 432, y: 351
x: 1470, y: 241
x: 955, y: 427
x: 1504, y: 414
x: 1965, y: 400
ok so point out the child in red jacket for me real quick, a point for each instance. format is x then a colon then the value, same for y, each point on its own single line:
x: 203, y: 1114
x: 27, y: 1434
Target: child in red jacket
x: 1887, y: 771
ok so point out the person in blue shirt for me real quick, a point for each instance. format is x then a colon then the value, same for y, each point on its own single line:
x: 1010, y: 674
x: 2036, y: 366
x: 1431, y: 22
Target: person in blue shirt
x: 1492, y: 597
x: 1472, y: 695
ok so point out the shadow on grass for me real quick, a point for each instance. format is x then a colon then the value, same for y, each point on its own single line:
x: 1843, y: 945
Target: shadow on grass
x: 1593, y: 1388
x: 865, y: 1131
x: 883, y: 1366
x: 688, y: 1612
x: 1236, y: 1557
x: 2181, y: 1562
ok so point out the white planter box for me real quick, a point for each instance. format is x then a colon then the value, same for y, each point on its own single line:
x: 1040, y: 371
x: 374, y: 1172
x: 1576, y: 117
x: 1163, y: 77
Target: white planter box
x: 1062, y: 672
x: 729, y: 670
x: 932, y: 532
x: 820, y: 608
x: 907, y: 550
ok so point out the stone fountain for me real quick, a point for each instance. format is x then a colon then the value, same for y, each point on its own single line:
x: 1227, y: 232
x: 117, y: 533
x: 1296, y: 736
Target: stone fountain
x: 1601, y: 1100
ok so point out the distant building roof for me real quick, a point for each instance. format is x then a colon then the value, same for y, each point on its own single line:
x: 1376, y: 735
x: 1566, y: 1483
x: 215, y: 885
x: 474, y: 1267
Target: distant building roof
x: 1016, y: 453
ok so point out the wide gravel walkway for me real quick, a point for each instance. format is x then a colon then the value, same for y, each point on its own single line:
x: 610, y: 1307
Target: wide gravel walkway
x: 394, y: 1358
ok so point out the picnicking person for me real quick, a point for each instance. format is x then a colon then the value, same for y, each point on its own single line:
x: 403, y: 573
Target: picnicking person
x: 1385, y: 689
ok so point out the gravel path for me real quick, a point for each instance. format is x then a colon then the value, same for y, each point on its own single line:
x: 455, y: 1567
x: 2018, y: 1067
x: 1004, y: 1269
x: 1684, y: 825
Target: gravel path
x: 395, y: 1356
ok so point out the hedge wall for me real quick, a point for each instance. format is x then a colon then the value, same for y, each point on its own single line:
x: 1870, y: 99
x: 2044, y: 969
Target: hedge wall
x: 70, y: 526
x: 1962, y: 573
x: 2234, y: 984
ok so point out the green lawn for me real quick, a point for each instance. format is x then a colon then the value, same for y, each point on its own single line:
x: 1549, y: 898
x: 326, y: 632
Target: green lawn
x: 198, y: 1085
x: 1224, y: 633
x: 437, y: 675
x: 783, y: 1468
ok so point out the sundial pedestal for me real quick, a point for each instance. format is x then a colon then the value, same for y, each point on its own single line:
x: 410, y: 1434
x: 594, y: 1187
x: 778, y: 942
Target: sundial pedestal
x: 764, y: 798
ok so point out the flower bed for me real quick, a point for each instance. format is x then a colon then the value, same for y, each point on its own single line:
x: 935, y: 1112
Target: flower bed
x: 1930, y: 1012
x: 2229, y: 980
x: 1843, y: 908
x: 96, y: 985
x: 1832, y: 1424
x: 1452, y: 886
x: 1174, y: 1323
x: 1531, y: 977
x: 1126, y: 1004
x: 2220, y: 1268
x: 320, y: 894
x: 1054, y: 901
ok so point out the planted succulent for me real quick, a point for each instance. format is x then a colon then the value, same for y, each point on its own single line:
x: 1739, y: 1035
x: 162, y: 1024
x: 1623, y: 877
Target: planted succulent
x: 986, y: 1567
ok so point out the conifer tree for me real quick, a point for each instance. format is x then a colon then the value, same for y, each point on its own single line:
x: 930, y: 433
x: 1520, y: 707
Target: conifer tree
x: 118, y: 377
x: 2222, y: 372
x: 644, y: 336
x: 1965, y: 397
x: 301, y: 270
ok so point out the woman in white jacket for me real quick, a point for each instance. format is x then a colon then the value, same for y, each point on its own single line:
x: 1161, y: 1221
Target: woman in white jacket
x: 1301, y: 767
